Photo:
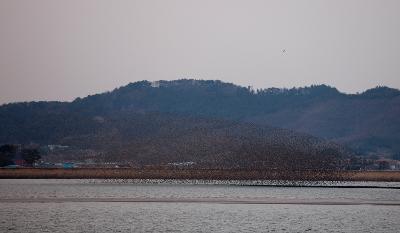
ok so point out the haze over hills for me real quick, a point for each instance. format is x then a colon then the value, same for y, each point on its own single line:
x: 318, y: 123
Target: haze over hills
x: 203, y: 121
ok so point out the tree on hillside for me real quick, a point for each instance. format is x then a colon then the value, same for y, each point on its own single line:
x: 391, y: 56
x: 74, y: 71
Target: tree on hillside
x: 7, y: 154
x: 30, y: 155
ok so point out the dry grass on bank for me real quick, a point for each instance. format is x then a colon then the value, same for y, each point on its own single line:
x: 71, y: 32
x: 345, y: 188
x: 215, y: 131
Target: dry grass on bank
x: 210, y: 174
x: 389, y: 176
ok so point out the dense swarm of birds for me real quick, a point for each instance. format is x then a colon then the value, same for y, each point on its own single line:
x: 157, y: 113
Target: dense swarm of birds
x: 210, y: 124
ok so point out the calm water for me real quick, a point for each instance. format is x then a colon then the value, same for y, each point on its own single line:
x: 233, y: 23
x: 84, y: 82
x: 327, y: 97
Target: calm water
x: 99, y: 206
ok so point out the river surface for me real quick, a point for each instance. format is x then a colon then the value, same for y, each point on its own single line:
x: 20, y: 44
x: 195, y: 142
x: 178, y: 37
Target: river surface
x: 153, y: 206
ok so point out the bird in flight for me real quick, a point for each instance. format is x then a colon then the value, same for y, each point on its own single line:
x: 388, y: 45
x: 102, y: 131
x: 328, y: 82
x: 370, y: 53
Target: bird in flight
x: 283, y: 50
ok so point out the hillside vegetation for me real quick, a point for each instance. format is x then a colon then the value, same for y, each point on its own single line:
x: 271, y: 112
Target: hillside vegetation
x: 368, y: 122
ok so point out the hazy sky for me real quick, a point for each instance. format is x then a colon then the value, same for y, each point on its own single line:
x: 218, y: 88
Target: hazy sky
x: 62, y: 49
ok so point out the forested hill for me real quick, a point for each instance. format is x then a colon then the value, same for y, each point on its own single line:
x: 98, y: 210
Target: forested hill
x: 367, y: 122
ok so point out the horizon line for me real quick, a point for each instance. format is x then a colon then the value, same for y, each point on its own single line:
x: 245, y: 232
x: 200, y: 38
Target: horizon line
x: 195, y: 79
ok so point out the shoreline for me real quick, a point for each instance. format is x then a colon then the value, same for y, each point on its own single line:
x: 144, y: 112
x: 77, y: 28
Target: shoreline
x: 263, y: 201
x: 196, y: 174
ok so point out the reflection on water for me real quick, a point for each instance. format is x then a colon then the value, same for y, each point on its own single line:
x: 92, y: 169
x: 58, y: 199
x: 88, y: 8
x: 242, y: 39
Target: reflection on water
x: 159, y: 216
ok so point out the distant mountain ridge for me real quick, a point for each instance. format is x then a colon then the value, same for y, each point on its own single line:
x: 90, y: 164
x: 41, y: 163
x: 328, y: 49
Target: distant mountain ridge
x: 368, y: 122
